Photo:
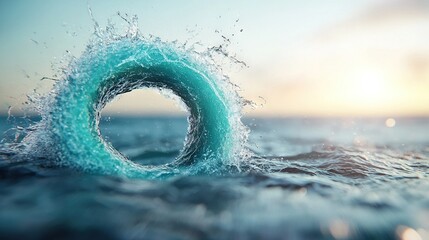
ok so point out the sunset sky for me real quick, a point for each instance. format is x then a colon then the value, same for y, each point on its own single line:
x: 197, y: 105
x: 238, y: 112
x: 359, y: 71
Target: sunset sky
x: 305, y: 58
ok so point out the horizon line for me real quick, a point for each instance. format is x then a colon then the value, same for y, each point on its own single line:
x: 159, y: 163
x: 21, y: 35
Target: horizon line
x: 244, y: 115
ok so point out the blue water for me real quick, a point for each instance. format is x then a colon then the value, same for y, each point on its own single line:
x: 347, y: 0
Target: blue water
x: 71, y: 174
x: 317, y: 179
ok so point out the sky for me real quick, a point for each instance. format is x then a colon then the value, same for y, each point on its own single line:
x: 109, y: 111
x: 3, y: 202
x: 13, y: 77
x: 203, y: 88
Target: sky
x: 305, y: 58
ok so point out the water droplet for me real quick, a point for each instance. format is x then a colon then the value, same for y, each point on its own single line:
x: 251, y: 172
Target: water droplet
x: 407, y: 233
x: 390, y: 122
x: 339, y: 229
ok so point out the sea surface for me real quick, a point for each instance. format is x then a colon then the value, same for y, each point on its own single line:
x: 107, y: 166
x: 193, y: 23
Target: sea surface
x: 316, y: 178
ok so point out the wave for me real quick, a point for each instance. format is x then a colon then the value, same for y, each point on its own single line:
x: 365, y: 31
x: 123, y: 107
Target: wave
x: 351, y: 163
x: 68, y: 133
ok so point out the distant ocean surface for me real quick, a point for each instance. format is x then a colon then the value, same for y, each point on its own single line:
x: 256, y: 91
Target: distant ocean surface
x: 327, y: 178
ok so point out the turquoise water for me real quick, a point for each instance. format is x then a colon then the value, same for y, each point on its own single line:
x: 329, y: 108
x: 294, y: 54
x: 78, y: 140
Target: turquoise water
x: 68, y: 131
x: 322, y: 179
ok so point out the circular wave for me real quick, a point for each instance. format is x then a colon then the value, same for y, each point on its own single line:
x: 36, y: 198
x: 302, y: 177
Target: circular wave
x: 69, y: 127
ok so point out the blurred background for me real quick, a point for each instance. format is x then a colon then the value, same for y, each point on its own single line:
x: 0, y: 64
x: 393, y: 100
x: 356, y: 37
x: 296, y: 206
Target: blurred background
x: 305, y: 58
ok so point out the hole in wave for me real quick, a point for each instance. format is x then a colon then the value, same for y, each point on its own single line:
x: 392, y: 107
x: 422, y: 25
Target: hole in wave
x: 147, y: 126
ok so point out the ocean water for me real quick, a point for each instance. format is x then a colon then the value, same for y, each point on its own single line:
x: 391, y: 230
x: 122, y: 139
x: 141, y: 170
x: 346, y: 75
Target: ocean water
x: 72, y: 174
x: 328, y: 178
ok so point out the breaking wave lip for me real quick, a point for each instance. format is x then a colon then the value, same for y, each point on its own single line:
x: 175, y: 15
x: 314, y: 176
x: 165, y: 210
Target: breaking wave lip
x: 111, y: 65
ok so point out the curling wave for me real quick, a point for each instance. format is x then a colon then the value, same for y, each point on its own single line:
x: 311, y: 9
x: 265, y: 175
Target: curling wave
x: 69, y: 130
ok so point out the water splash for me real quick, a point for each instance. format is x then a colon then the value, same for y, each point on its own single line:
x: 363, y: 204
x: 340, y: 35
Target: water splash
x: 114, y: 64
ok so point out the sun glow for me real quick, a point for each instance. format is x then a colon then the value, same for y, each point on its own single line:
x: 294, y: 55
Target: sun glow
x: 368, y: 89
x: 370, y: 85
